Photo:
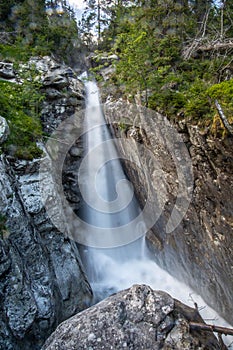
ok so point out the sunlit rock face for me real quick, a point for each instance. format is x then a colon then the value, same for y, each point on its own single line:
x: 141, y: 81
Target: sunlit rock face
x: 4, y: 130
x: 7, y: 70
x: 137, y: 318
x: 199, y: 250
x: 63, y: 91
x: 42, y: 281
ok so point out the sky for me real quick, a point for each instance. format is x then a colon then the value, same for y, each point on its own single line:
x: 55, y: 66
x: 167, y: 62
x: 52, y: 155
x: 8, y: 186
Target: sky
x: 77, y: 3
x: 78, y: 6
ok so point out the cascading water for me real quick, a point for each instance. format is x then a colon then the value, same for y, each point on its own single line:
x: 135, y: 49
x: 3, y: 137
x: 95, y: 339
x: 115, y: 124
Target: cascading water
x: 102, y: 182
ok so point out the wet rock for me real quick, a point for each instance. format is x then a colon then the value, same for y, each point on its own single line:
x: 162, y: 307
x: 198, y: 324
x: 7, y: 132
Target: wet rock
x: 4, y: 130
x: 138, y: 318
x: 76, y: 151
x: 42, y: 281
x: 7, y: 70
x: 199, y: 250
x: 41, y: 277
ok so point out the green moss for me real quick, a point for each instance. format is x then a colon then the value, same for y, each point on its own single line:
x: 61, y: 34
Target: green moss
x: 223, y: 92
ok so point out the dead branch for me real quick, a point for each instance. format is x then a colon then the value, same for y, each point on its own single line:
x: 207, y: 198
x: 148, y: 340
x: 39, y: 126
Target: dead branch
x: 216, y: 46
x: 226, y: 124
x: 203, y: 44
x: 210, y: 328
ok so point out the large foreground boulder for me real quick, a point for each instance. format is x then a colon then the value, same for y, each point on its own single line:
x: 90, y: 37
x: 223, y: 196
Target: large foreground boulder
x: 136, y: 318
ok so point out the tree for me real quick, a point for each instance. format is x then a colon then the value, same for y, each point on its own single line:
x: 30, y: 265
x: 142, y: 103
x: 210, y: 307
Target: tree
x: 6, y: 7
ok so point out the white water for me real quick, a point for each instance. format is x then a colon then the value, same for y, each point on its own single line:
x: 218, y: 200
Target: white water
x: 117, y: 268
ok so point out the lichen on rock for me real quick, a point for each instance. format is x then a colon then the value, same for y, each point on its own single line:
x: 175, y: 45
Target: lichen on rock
x: 138, y: 318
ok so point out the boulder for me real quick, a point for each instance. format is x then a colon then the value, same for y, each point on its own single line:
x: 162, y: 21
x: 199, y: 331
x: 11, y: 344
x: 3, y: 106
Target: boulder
x: 138, y: 318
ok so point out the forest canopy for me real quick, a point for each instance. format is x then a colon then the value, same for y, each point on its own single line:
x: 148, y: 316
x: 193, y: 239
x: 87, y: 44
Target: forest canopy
x: 175, y: 54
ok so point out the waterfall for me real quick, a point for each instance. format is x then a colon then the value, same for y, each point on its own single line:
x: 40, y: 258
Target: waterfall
x: 104, y: 188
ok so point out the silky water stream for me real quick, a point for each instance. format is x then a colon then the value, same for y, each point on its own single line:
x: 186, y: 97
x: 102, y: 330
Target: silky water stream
x: 112, y: 265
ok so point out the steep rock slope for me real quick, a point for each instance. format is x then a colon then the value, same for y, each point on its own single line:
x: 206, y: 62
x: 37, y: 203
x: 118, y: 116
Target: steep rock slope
x: 42, y: 281
x: 199, y: 250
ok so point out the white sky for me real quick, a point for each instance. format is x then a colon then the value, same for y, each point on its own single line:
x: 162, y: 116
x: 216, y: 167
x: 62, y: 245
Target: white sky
x: 77, y: 3
x: 78, y: 6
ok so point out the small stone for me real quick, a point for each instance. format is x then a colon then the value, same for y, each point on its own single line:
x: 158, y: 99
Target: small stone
x: 91, y: 337
x: 76, y: 151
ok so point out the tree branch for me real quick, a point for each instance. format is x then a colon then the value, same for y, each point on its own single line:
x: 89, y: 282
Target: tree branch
x: 210, y: 328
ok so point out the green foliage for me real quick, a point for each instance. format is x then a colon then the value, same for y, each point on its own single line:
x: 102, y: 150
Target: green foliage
x: 15, y: 52
x: 19, y: 104
x: 197, y: 104
x: 223, y: 92
x: 39, y: 28
x: 150, y: 38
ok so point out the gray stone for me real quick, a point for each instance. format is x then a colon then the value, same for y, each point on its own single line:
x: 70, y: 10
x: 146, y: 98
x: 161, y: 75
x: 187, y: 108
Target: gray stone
x: 4, y: 130
x: 76, y: 151
x: 44, y: 64
x: 55, y: 80
x: 53, y: 93
x: 7, y: 70
x: 138, y: 318
x: 30, y: 193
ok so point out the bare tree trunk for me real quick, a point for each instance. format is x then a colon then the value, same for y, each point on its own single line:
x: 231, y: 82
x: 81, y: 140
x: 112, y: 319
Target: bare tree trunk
x: 222, y: 19
x: 98, y: 20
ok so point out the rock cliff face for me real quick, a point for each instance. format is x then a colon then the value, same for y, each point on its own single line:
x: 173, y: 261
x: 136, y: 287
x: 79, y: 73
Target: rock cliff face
x: 42, y: 281
x: 138, y: 318
x: 199, y: 250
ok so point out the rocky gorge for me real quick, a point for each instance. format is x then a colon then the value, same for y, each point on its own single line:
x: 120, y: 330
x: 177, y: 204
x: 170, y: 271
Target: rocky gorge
x: 42, y: 277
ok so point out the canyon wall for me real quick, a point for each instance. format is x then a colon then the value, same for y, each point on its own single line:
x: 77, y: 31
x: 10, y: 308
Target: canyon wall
x: 199, y: 250
x: 42, y: 281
